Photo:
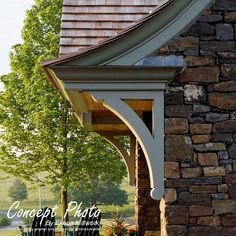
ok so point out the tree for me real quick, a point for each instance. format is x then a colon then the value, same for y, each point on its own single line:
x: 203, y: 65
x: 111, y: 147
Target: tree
x: 39, y: 131
x: 18, y: 191
x: 102, y: 192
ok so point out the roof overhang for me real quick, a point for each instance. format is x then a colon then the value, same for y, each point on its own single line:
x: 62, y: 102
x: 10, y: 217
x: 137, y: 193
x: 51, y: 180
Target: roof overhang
x: 140, y: 40
x: 110, y: 87
x: 77, y: 82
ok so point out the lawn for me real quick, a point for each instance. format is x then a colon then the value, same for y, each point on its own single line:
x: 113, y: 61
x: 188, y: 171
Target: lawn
x: 9, y: 233
x: 48, y: 200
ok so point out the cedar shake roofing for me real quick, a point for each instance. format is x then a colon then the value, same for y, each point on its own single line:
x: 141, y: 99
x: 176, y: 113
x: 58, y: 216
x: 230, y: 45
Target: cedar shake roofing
x: 87, y: 22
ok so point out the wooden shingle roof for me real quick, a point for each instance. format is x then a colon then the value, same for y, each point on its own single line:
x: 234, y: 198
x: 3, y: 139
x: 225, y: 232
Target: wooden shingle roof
x: 87, y: 22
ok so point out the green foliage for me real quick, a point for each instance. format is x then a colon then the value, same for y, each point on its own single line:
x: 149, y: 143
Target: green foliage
x: 102, y: 191
x: 18, y: 191
x: 113, y: 195
x: 4, y: 221
x: 118, y: 228
x: 39, y: 131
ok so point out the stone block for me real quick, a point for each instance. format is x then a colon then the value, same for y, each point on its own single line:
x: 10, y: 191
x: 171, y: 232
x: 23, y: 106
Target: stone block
x: 210, y: 18
x: 211, y: 231
x: 210, y: 48
x: 230, y: 16
x: 232, y: 191
x: 192, y: 220
x: 202, y: 29
x: 215, y: 117
x: 204, y: 74
x: 184, y: 44
x: 185, y: 183
x: 230, y: 178
x: 176, y: 126
x: 226, y: 86
x: 228, y: 220
x: 191, y: 172
x: 171, y: 170
x: 209, y: 221
x: 223, y: 155
x: 219, y: 196
x: 214, y: 171
x: 173, y: 152
x: 207, y: 159
x: 199, y: 108
x: 152, y: 233
x: 174, y: 98
x: 232, y: 151
x: 227, y: 206
x: 226, y: 5
x: 225, y: 101
x: 199, y: 61
x: 208, y: 147
x: 203, y: 189
x: 170, y: 195
x: 194, y: 93
x: 222, y: 137
x: 200, y: 211
x: 178, y: 215
x: 224, y: 32
x: 174, y: 230
x: 200, y: 128
x: 196, y: 120
x: 178, y: 110
x: 227, y: 126
x: 223, y: 188
x: 226, y: 55
x: 197, y: 139
x: 228, y: 71
x: 188, y: 199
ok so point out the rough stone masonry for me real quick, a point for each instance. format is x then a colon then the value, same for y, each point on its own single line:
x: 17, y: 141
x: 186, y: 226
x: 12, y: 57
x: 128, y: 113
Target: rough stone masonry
x: 200, y: 128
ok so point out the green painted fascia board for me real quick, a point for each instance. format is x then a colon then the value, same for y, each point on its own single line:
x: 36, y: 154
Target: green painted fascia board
x: 146, y: 38
x: 115, y: 73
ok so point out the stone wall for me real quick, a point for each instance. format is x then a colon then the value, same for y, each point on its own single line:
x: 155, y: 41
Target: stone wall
x: 147, y: 211
x: 200, y: 127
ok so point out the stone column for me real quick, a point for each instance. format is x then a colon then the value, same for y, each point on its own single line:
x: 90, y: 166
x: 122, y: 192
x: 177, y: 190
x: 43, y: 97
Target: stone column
x: 147, y: 212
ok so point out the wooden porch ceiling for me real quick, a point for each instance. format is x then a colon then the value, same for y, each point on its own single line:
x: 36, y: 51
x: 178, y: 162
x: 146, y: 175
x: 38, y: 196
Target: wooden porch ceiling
x: 104, y: 120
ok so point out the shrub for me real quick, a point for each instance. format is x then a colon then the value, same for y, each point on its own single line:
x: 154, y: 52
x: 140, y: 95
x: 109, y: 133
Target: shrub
x: 4, y: 221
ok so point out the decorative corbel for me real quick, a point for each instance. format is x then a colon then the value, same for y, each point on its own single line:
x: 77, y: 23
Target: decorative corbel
x: 152, y: 143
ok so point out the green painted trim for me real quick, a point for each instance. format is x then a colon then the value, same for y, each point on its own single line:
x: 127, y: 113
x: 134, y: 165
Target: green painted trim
x: 151, y: 142
x: 88, y: 87
x: 115, y: 73
x: 146, y: 38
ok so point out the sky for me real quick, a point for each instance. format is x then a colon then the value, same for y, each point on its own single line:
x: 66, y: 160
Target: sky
x: 12, y: 14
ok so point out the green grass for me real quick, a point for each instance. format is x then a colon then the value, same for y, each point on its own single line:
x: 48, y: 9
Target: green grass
x: 9, y: 233
x: 48, y: 200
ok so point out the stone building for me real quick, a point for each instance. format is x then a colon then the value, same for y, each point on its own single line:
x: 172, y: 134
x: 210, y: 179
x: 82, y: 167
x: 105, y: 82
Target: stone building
x: 180, y: 102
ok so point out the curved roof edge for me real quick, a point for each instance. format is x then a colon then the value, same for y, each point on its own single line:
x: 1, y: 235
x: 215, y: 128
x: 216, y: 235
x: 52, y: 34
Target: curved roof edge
x: 140, y: 40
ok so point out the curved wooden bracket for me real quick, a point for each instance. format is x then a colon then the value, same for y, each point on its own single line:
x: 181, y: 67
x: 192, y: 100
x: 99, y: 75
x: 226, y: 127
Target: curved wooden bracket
x: 152, y: 143
x: 129, y: 158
